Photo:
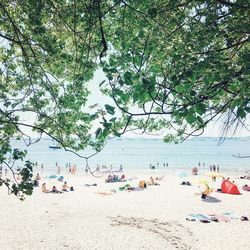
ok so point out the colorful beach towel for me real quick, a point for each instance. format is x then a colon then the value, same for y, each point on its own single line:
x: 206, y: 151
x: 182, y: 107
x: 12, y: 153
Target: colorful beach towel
x: 198, y: 217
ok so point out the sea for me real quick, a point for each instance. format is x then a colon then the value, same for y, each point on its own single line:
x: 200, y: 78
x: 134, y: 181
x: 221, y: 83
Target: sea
x: 143, y: 153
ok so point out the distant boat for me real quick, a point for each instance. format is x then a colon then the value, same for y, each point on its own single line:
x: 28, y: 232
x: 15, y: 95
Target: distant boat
x: 55, y: 147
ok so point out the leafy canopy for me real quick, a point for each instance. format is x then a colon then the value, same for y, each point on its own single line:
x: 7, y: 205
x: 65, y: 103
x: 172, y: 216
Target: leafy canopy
x: 170, y: 66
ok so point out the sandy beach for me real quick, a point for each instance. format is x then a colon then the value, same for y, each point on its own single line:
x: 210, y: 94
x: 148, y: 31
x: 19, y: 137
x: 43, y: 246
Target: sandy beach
x: 154, y: 218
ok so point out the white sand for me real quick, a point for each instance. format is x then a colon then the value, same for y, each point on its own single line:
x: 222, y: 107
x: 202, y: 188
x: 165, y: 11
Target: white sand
x: 151, y: 219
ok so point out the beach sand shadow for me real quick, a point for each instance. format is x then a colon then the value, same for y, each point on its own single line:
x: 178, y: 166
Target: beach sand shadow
x: 210, y: 199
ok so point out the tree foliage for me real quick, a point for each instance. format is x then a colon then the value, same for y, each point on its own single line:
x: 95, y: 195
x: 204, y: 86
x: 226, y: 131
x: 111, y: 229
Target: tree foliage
x: 170, y: 66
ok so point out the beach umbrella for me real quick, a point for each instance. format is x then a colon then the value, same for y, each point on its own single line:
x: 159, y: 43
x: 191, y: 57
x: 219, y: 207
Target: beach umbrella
x: 214, y: 174
x: 202, y: 181
x: 52, y: 176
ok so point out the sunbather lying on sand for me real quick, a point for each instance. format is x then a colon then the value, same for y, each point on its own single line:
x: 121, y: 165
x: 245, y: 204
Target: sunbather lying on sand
x: 246, y: 188
x: 159, y: 178
x: 245, y: 177
x: 152, y: 182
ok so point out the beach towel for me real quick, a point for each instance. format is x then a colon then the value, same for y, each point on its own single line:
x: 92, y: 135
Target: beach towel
x: 105, y: 193
x: 198, y: 217
x: 88, y: 185
x: 231, y: 215
x: 220, y: 217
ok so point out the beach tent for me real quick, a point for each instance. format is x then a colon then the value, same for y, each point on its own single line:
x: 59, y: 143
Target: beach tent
x: 229, y: 188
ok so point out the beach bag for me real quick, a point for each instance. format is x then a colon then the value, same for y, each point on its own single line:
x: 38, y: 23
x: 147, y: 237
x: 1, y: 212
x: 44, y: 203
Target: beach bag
x: 142, y: 184
x: 71, y: 189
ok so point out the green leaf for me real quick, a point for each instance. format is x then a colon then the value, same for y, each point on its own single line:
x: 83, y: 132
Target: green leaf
x: 191, y: 118
x: 200, y: 108
x: 179, y: 88
x: 247, y: 109
x: 98, y: 132
x: 110, y: 109
x: 241, y: 113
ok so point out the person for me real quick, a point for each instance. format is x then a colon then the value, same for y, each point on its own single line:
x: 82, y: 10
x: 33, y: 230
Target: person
x: 58, y: 169
x: 214, y: 168
x: 109, y: 179
x: 218, y: 169
x: 54, y: 189
x: 35, y: 183
x: 6, y: 172
x: 65, y: 187
x: 206, y: 191
x: 44, y: 188
x: 152, y: 182
x: 246, y: 187
x: 194, y: 171
x: 211, y: 168
x: 38, y: 177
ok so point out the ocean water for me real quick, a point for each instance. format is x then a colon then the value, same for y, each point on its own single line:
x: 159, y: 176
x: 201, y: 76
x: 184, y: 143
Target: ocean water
x: 137, y: 153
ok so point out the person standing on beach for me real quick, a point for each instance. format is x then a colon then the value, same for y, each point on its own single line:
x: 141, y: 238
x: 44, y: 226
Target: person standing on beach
x: 214, y: 168
x: 58, y: 169
x: 218, y: 169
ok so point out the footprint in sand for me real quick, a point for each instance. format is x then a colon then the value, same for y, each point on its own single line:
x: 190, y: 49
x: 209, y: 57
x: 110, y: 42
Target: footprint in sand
x: 170, y: 231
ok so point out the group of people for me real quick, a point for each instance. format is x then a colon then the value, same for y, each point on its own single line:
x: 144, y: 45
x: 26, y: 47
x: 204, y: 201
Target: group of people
x: 65, y: 188
x: 213, y: 168
x: 115, y: 178
x: 152, y: 166
x: 152, y: 181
